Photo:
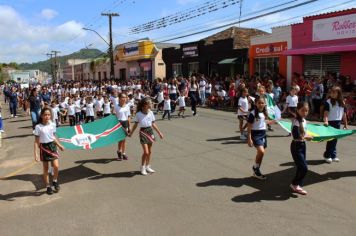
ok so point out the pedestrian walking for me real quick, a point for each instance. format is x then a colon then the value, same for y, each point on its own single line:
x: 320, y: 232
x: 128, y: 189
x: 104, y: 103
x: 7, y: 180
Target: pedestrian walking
x: 47, y: 143
x: 146, y: 120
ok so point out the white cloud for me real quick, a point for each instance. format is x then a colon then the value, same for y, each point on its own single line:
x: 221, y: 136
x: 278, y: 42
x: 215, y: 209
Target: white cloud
x: 23, y: 40
x: 48, y: 14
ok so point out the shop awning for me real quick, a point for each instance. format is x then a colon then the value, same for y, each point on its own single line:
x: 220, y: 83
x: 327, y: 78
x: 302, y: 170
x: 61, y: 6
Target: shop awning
x: 318, y: 50
x: 228, y: 61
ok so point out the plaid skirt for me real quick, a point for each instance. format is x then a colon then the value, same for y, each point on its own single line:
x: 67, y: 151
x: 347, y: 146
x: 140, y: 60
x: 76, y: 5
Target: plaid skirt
x: 146, y: 135
x: 48, y: 151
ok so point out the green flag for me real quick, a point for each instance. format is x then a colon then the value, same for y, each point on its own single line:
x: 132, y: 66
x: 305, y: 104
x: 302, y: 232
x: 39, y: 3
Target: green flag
x: 274, y: 112
x: 319, y: 132
x: 101, y: 133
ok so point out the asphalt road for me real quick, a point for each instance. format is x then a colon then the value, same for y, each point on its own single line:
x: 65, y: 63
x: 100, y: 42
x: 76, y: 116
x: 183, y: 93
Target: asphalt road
x: 203, y: 186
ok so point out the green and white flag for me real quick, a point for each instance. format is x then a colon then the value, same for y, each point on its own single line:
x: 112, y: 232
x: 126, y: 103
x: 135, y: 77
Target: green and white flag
x: 319, y: 132
x: 101, y: 133
x: 274, y: 112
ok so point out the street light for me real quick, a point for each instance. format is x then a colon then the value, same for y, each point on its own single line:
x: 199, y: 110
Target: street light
x: 97, y: 34
x: 112, y: 73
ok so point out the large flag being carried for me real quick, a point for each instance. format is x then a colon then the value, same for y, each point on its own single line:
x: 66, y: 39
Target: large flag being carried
x: 274, y: 112
x: 93, y: 135
x: 320, y: 132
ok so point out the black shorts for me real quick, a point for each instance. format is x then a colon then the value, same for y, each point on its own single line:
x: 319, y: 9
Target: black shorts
x: 291, y: 110
x: 259, y: 138
x: 48, y: 152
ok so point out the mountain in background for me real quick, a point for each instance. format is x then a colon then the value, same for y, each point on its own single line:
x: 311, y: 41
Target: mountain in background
x: 46, y: 65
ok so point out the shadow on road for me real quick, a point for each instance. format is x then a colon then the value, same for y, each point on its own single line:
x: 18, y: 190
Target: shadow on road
x: 65, y: 176
x: 128, y: 174
x: 229, y: 140
x: 15, y: 121
x: 273, y: 189
x: 310, y: 163
x: 18, y: 136
x: 26, y: 127
x: 96, y: 161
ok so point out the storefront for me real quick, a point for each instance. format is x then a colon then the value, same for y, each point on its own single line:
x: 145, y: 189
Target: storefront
x: 139, y: 60
x: 325, y: 44
x: 216, y: 59
x: 265, y: 53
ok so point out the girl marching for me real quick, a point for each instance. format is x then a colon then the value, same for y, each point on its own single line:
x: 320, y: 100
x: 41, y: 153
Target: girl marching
x: 47, y: 143
x: 298, y: 147
x: 146, y: 119
x: 257, y: 121
x: 123, y: 114
x: 334, y: 113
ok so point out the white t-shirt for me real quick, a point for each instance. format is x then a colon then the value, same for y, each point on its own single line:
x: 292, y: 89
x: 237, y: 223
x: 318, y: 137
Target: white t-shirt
x: 160, y: 97
x: 292, y: 101
x: 122, y: 113
x: 167, y: 105
x: 99, y: 105
x: 77, y: 106
x: 172, y: 89
x: 55, y: 111
x: 46, y: 132
x: 336, y: 112
x: 107, y: 108
x: 181, y: 101
x: 243, y: 105
x: 90, y: 109
x: 259, y: 124
x: 71, y: 110
x: 144, y: 120
x: 64, y: 106
x: 222, y: 93
x: 208, y: 88
x: 202, y: 84
x: 114, y: 100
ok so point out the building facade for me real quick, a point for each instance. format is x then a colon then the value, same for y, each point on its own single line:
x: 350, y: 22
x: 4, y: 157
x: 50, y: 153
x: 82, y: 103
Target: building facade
x: 139, y: 60
x: 266, y: 53
x: 216, y: 59
x: 324, y: 44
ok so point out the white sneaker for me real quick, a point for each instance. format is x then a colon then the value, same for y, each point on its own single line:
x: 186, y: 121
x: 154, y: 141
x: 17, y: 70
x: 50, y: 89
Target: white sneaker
x: 328, y: 160
x: 243, y: 137
x: 143, y: 170
x: 15, y: 116
x: 336, y: 159
x: 149, y: 170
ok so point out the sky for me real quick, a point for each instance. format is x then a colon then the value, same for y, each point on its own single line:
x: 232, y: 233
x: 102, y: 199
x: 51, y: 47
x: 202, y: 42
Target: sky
x: 29, y: 29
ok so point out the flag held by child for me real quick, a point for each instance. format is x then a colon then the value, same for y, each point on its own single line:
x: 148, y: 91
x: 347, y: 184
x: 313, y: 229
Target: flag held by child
x: 320, y: 132
x: 101, y: 133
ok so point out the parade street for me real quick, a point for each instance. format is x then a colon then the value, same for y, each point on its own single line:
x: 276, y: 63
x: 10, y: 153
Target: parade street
x: 203, y: 185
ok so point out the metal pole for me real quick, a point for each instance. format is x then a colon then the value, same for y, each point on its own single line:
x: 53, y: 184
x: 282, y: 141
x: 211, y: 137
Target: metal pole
x: 111, y: 51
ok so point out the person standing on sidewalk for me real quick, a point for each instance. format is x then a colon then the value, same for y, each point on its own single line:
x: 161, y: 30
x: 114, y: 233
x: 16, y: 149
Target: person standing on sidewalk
x: 35, y: 107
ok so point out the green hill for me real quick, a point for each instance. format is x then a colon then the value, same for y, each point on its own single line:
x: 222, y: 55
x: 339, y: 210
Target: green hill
x: 46, y: 65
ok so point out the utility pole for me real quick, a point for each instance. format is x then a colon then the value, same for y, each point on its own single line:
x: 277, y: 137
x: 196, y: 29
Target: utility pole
x: 55, y: 79
x: 50, y: 55
x: 111, y: 51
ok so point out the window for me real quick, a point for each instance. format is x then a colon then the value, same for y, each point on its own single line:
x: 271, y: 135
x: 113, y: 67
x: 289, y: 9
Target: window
x: 266, y: 65
x: 177, y: 69
x: 193, y: 67
x: 322, y: 64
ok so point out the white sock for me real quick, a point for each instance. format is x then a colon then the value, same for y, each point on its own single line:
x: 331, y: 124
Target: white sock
x: 55, y: 180
x: 256, y: 165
